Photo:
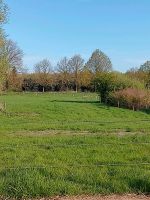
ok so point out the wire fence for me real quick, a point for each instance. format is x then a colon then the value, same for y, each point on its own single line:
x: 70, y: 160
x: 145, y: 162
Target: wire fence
x: 129, y: 164
x: 71, y: 145
x: 3, y: 147
x: 77, y: 166
x: 87, y: 121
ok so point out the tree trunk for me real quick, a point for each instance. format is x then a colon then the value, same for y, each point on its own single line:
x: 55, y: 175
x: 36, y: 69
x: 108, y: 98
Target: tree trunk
x: 43, y: 89
x: 76, y: 80
x: 76, y: 87
x: 133, y: 108
x: 118, y: 104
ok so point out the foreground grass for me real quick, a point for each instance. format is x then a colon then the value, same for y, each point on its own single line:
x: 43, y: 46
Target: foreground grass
x: 36, y: 161
x: 36, y: 166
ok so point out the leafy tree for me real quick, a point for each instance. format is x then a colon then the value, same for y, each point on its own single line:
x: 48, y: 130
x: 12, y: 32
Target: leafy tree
x: 3, y: 71
x: 76, y: 64
x: 11, y: 61
x: 145, y: 67
x: 86, y: 78
x: 99, y: 62
x: 123, y: 81
x: 135, y: 73
x: 104, y: 85
x: 110, y: 82
x: 3, y: 60
x: 14, y: 81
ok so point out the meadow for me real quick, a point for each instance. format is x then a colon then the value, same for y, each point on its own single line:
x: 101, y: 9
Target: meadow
x: 67, y: 111
x: 67, y: 144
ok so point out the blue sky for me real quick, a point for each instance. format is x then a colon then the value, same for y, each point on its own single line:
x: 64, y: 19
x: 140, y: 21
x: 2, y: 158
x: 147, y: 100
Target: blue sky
x: 56, y: 28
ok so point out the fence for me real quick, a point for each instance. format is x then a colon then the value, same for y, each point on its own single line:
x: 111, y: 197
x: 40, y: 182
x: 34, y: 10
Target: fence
x: 75, y: 146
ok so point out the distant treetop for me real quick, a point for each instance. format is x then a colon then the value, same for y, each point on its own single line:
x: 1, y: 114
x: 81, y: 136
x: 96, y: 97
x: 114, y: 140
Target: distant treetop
x: 99, y: 62
x: 145, y: 67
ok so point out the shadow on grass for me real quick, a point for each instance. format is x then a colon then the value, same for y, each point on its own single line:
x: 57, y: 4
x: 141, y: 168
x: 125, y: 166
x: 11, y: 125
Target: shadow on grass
x: 76, y: 101
x: 140, y: 185
x: 95, y: 103
x: 146, y: 111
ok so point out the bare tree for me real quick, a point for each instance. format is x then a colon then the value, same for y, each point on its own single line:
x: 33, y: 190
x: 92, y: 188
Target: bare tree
x: 64, y: 69
x: 99, y: 62
x: 76, y: 64
x: 43, y: 66
x: 63, y: 65
x: 42, y: 69
x: 14, y: 55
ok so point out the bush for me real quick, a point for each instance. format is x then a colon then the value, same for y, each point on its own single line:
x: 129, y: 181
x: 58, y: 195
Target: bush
x: 106, y: 83
x: 131, y: 98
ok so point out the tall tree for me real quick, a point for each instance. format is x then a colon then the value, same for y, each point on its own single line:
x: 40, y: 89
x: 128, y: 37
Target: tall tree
x: 43, y: 69
x: 76, y: 64
x: 3, y: 60
x: 99, y: 62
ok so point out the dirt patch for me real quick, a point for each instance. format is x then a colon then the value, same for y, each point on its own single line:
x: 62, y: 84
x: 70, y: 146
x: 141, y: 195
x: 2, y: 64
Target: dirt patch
x: 128, y: 197
x: 50, y: 133
x: 68, y: 133
x: 113, y: 197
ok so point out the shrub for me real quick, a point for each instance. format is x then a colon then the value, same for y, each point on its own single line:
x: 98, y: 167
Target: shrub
x: 131, y: 98
x: 106, y: 83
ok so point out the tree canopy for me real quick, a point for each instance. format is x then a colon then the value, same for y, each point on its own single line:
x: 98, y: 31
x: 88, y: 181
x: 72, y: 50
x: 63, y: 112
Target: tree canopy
x: 3, y: 59
x: 99, y: 62
x: 145, y: 67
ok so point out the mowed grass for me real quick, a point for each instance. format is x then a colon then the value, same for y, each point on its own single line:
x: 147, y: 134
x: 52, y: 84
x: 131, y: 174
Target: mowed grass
x: 69, y: 144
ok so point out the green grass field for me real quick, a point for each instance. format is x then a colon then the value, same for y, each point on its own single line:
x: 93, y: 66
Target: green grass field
x: 60, y: 111
x: 68, y: 144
